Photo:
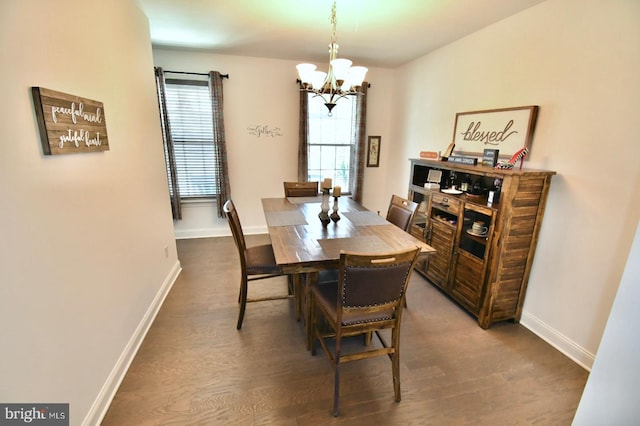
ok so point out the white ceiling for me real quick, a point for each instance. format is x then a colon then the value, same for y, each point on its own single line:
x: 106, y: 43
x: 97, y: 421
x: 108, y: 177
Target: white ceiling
x: 381, y: 33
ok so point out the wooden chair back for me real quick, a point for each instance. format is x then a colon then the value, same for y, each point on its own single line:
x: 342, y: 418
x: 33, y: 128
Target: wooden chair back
x: 300, y: 189
x: 236, y: 228
x: 401, y: 212
x: 371, y: 288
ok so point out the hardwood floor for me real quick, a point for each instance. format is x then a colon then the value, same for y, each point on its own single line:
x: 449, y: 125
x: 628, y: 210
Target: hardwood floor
x: 195, y: 368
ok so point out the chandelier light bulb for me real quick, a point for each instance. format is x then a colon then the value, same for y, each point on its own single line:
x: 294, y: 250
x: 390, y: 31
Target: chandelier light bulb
x: 340, y: 68
x: 357, y: 75
x: 318, y: 79
x: 305, y: 72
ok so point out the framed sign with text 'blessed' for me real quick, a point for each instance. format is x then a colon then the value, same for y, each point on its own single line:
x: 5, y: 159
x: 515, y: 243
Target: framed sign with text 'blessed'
x: 507, y: 130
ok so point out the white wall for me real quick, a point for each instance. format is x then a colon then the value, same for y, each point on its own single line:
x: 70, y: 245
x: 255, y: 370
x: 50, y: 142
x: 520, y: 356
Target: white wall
x: 264, y: 92
x: 610, y: 396
x: 82, y: 254
x: 579, y: 60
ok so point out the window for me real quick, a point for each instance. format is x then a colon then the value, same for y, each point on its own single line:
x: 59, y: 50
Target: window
x: 191, y: 123
x: 332, y: 141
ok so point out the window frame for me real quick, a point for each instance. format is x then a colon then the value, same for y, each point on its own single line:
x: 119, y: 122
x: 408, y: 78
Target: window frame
x: 316, y: 110
x: 185, y: 183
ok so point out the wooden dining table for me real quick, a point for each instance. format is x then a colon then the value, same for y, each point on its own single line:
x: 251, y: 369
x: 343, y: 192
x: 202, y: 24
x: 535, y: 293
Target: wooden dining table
x: 302, y: 245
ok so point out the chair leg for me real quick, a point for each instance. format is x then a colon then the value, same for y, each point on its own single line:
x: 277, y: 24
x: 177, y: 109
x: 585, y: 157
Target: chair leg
x: 242, y: 301
x: 367, y: 338
x: 336, y: 385
x: 395, y: 364
x: 395, y: 360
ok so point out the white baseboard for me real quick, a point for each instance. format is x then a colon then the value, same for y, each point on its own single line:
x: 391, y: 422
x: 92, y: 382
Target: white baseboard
x: 109, y: 389
x: 201, y: 233
x: 216, y: 232
x: 558, y: 340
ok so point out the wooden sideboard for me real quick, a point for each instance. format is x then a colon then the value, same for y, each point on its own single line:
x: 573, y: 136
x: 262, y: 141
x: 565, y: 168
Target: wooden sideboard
x: 488, y: 273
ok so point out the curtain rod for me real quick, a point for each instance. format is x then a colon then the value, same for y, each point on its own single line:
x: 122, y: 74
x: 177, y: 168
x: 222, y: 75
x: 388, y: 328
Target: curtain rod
x: 195, y: 73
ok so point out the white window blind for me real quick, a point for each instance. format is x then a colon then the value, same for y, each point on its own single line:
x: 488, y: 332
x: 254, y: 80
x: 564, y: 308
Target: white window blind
x: 331, y: 141
x: 191, y: 123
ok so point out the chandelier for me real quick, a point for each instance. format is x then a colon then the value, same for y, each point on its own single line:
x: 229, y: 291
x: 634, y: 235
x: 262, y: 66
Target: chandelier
x: 339, y: 81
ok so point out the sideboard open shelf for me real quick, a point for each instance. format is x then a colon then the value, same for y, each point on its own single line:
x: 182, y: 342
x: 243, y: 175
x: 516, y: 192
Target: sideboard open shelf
x: 487, y: 274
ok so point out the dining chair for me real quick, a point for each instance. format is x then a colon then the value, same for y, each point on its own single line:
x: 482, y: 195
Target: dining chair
x: 300, y: 189
x: 401, y: 212
x: 367, y: 298
x: 256, y: 263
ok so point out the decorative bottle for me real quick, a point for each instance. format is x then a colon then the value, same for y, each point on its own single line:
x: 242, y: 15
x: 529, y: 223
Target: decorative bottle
x: 324, y: 208
x: 494, y: 191
x: 452, y: 179
x: 466, y: 184
x: 335, y: 217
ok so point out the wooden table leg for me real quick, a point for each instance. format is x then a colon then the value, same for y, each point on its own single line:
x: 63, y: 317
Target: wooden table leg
x: 311, y: 279
x: 296, y: 295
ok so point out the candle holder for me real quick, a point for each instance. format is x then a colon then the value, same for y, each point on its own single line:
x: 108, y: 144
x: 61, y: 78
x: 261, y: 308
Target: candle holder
x: 324, y: 208
x: 335, y: 217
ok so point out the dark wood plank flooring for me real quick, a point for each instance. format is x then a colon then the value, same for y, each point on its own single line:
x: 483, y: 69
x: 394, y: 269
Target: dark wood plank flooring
x: 195, y: 368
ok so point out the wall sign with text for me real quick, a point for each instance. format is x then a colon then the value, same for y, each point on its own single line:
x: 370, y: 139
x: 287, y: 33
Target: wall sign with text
x: 506, y: 129
x: 260, y: 130
x: 69, y: 124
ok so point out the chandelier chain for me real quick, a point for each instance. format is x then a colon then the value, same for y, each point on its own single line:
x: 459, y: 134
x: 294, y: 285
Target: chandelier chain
x: 334, y: 22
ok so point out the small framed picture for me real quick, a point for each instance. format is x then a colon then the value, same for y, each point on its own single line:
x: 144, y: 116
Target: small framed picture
x: 373, y: 151
x: 490, y: 157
